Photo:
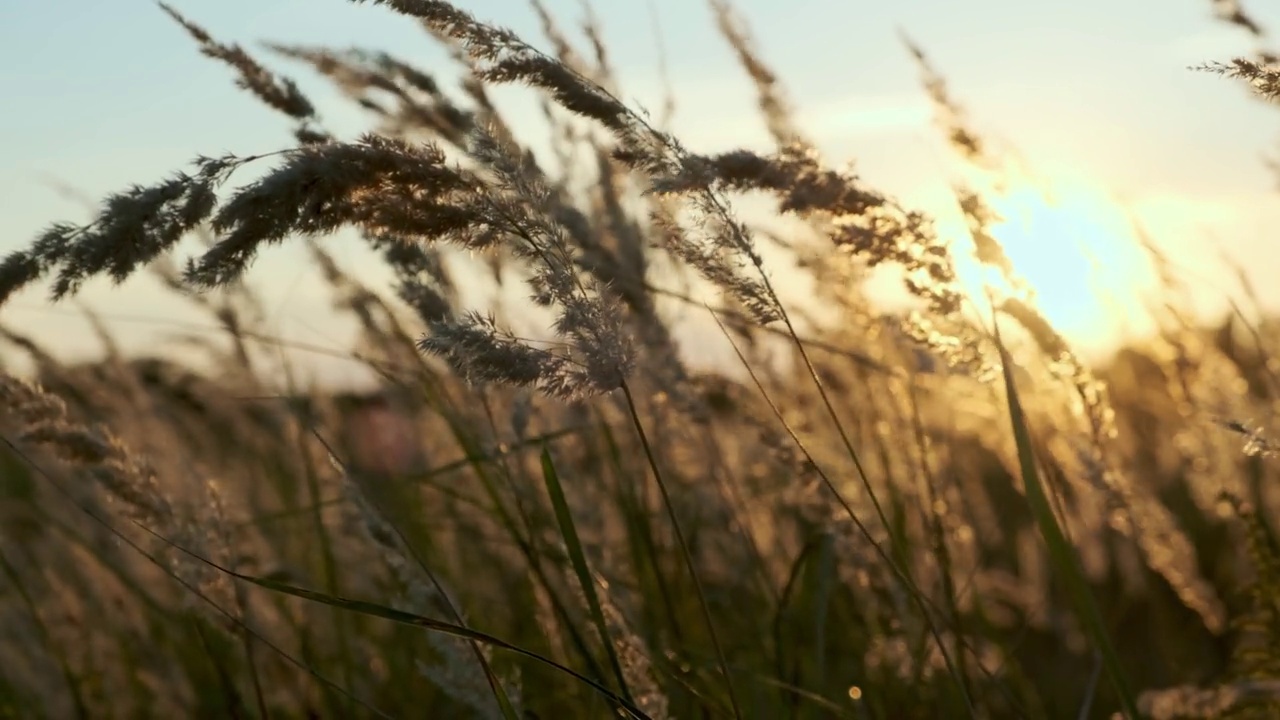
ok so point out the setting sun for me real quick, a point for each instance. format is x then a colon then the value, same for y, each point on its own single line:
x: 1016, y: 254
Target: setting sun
x: 1076, y: 250
x: 510, y: 360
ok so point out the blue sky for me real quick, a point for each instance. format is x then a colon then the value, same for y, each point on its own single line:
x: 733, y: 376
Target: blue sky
x: 1095, y: 92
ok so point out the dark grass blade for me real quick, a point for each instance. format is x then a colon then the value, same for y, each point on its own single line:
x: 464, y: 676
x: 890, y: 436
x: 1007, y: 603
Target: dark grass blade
x: 579, y: 559
x: 408, y: 618
x: 1060, y: 551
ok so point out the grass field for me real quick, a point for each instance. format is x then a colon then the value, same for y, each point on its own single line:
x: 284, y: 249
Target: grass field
x: 940, y: 510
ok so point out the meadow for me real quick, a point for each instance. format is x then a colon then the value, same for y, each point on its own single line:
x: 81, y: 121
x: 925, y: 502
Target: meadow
x: 544, y: 509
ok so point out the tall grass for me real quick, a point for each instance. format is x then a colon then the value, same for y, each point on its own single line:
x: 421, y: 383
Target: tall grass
x: 941, y: 512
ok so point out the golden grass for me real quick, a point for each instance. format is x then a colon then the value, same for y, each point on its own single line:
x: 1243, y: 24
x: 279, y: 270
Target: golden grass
x: 885, y: 516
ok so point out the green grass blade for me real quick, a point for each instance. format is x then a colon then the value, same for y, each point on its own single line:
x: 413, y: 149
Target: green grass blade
x: 1060, y: 551
x: 579, y: 559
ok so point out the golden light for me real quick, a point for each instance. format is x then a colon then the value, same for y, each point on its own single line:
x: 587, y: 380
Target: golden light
x: 1076, y: 250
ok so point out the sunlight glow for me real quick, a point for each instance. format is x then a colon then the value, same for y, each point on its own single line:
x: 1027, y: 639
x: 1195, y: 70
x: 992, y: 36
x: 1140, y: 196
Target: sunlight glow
x: 1075, y: 247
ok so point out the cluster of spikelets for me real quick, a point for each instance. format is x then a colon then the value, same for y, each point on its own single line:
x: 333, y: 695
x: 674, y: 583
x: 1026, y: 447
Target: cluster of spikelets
x: 850, y: 530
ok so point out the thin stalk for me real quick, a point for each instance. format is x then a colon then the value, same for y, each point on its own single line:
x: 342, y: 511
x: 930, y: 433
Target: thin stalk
x: 495, y: 685
x: 684, y: 548
x: 912, y: 589
x: 164, y: 568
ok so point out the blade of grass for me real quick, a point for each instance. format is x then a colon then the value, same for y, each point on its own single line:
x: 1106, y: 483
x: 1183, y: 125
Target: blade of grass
x: 643, y: 546
x: 407, y: 618
x: 579, y: 559
x: 1060, y: 551
x: 477, y: 458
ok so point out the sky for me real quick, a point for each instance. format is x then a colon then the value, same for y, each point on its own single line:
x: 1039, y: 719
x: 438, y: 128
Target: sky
x: 1095, y: 95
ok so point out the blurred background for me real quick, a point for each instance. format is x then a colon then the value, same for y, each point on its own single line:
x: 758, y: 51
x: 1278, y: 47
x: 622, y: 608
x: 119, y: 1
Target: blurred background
x: 1095, y: 99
